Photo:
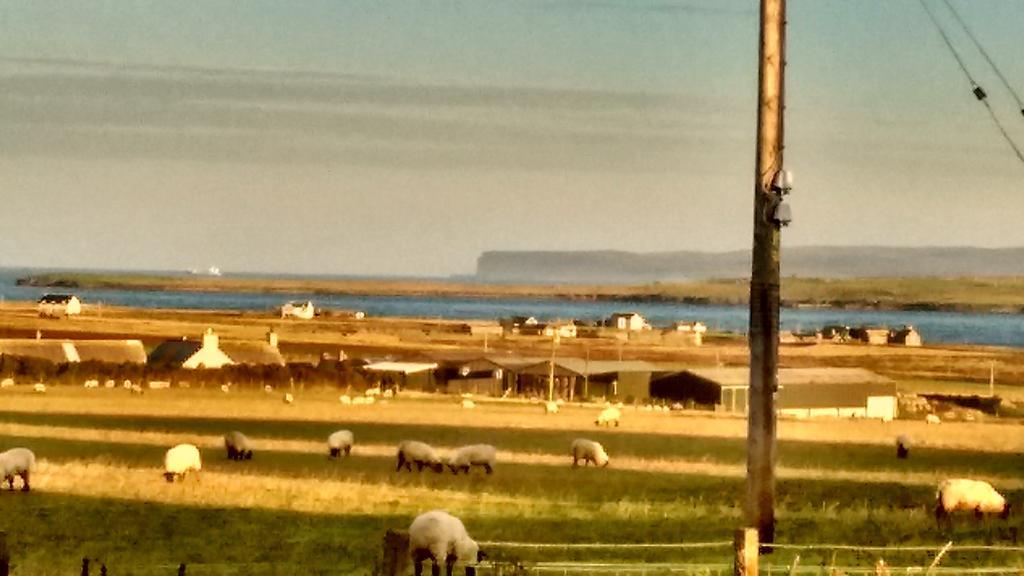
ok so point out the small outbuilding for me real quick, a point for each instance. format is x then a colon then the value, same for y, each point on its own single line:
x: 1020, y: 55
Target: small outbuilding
x: 907, y: 336
x: 300, y: 310
x: 629, y: 321
x: 59, y: 305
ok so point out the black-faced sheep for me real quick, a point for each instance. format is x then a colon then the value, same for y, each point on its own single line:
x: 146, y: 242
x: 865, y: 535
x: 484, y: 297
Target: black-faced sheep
x: 902, y: 446
x: 441, y: 538
x: 483, y: 455
x: 17, y: 462
x: 340, y: 441
x: 588, y: 451
x: 422, y: 455
x: 181, y: 460
x: 968, y: 495
x: 237, y: 446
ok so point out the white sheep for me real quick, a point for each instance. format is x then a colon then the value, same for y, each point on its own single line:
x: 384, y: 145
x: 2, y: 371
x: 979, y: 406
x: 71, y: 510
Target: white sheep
x: 135, y: 389
x: 932, y: 419
x: 551, y: 408
x: 588, y: 451
x: 225, y: 388
x: 268, y: 388
x: 39, y: 388
x: 389, y: 393
x: 181, y: 460
x: 340, y: 441
x: 288, y: 398
x: 109, y: 384
x: 6, y: 382
x: 608, y: 416
x: 372, y: 391
x: 467, y: 403
x: 345, y: 399
x: 441, y: 538
x: 902, y: 446
x: 238, y: 446
x: 964, y: 494
x: 483, y: 455
x: 17, y: 462
x: 419, y: 453
x: 91, y: 384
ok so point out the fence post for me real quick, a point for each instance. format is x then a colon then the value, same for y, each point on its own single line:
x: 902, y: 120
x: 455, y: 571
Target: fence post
x: 85, y: 567
x: 5, y: 556
x: 745, y: 552
x: 181, y: 569
x: 395, y: 557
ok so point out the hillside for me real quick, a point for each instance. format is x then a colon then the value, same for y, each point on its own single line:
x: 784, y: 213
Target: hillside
x: 807, y: 262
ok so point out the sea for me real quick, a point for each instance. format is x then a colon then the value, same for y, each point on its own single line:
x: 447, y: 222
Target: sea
x: 996, y: 329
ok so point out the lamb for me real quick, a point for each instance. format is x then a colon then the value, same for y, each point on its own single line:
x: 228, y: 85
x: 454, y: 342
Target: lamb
x: 551, y: 408
x: 6, y: 382
x: 238, y: 446
x: 340, y: 441
x: 964, y: 494
x: 181, y: 460
x: 902, y: 446
x: 474, y: 455
x: 345, y: 399
x: 422, y: 455
x: 932, y: 419
x: 39, y: 388
x: 608, y: 415
x: 441, y: 537
x: 467, y: 403
x: 17, y: 462
x: 588, y: 451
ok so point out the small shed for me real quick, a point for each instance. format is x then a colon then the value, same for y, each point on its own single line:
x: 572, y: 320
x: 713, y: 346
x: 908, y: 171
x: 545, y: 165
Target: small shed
x: 405, y: 375
x: 59, y: 305
x: 873, y: 335
x: 629, y: 321
x: 907, y: 336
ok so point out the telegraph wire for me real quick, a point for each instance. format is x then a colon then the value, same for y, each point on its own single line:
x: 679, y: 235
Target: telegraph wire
x: 978, y: 91
x: 967, y: 30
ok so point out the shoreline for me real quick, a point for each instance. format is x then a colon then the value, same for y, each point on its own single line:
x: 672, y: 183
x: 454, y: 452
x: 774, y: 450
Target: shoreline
x: 994, y: 295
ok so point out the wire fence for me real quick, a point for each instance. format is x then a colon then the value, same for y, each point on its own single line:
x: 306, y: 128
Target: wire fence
x: 831, y: 559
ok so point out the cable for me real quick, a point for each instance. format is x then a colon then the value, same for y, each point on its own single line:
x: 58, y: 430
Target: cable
x: 978, y: 91
x: 984, y: 53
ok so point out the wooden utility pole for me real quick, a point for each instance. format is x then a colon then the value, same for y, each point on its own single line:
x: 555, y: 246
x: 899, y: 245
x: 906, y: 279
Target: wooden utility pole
x: 764, y: 280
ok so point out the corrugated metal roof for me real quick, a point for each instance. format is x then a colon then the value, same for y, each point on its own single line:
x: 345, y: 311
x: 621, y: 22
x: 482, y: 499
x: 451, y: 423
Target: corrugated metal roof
x: 173, y: 352
x: 403, y: 367
x: 792, y: 376
x: 111, y: 351
x: 51, y: 350
x: 253, y: 353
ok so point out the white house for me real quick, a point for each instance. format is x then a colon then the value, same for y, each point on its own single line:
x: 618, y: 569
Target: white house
x: 630, y: 321
x: 57, y: 305
x: 209, y: 353
x: 567, y: 330
x: 298, y: 310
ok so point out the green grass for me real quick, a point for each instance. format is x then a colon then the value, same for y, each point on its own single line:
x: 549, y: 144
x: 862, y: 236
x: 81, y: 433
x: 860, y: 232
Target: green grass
x: 292, y: 511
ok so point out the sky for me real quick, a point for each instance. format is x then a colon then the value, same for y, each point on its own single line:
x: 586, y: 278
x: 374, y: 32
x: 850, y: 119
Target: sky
x: 399, y: 138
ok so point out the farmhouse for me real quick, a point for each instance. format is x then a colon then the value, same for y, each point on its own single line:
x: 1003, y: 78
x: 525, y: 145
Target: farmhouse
x: 874, y: 335
x: 57, y: 305
x: 302, y: 311
x: 209, y: 353
x: 629, y: 321
x: 803, y: 392
x: 906, y: 336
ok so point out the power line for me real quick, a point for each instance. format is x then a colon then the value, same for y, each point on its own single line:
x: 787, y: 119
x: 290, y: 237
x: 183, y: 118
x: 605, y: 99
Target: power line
x: 984, y: 53
x: 978, y: 91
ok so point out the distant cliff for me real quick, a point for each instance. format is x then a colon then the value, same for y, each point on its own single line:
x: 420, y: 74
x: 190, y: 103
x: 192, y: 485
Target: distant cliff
x: 816, y: 262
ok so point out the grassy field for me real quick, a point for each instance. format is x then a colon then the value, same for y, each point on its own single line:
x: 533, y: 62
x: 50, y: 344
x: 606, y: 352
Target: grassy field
x: 674, y: 477
x: 988, y: 293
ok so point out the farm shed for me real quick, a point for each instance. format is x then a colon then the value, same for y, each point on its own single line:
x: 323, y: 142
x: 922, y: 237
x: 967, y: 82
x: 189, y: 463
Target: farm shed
x: 57, y: 305
x: 405, y: 375
x: 468, y: 373
x: 579, y: 377
x: 803, y: 392
x: 906, y: 336
x: 67, y: 351
x: 874, y: 335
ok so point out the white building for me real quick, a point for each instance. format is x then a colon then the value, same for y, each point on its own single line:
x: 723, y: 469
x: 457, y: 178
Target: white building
x: 302, y: 311
x: 57, y: 305
x: 629, y: 321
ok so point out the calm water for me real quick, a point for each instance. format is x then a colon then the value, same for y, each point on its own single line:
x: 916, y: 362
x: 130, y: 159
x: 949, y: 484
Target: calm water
x: 945, y: 327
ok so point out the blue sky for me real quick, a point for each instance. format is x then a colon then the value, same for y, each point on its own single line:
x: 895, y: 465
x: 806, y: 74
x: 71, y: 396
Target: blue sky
x: 405, y: 138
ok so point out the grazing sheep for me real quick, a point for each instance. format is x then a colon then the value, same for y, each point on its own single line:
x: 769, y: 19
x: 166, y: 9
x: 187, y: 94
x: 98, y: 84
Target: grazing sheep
x: 474, y: 455
x: 588, y: 451
x: 181, y: 460
x: 467, y: 403
x: 17, y: 462
x: 225, y: 388
x: 345, y: 399
x: 363, y: 400
x: 110, y: 384
x: 372, y: 391
x: 39, y: 388
x: 965, y: 494
x: 268, y: 388
x: 340, y: 441
x: 608, y: 415
x: 159, y: 384
x: 135, y: 389
x: 91, y: 384
x: 389, y: 393
x: 288, y: 398
x: 551, y: 408
x: 127, y: 384
x: 441, y: 538
x: 238, y: 446
x: 932, y: 419
x: 902, y: 446
x: 6, y: 383
x: 422, y: 455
